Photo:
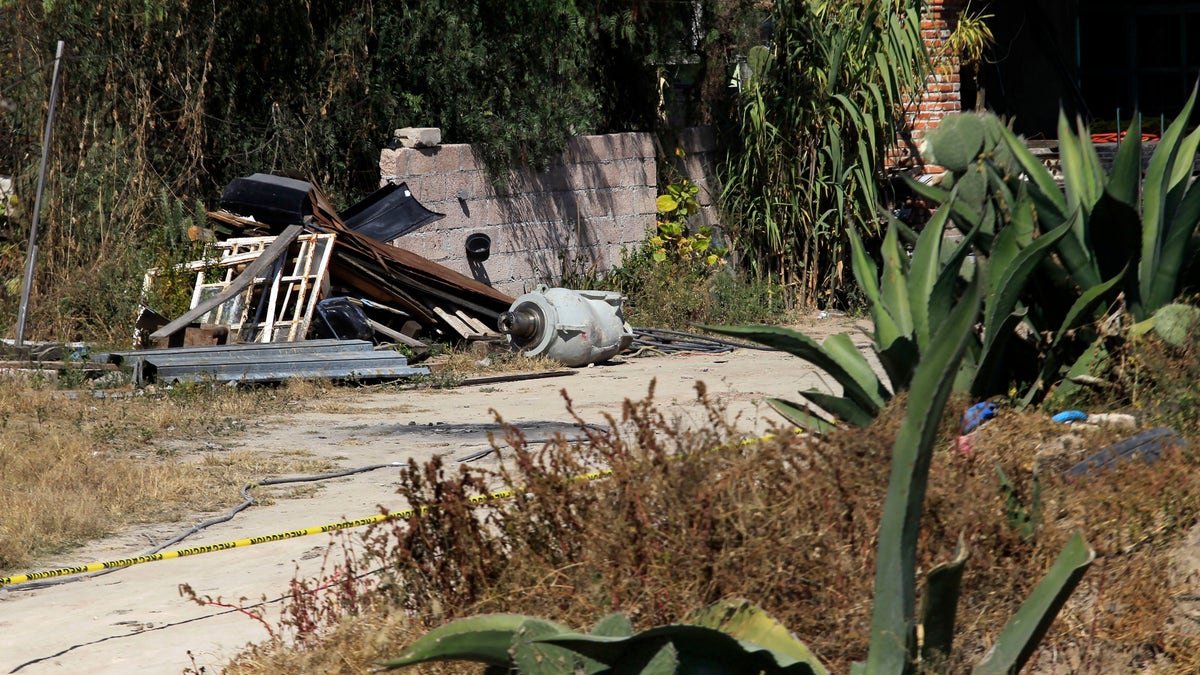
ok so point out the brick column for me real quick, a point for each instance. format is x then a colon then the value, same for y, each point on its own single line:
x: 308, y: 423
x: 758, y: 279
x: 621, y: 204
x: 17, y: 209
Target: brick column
x: 943, y: 91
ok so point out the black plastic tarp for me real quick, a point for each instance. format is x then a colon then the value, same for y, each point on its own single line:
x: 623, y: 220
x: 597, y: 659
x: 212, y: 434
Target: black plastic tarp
x: 388, y: 213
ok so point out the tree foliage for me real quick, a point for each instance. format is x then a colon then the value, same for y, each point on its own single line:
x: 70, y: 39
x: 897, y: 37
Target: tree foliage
x: 164, y: 101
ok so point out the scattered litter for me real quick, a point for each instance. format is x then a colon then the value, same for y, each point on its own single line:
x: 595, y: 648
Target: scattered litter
x: 1147, y: 446
x: 977, y: 415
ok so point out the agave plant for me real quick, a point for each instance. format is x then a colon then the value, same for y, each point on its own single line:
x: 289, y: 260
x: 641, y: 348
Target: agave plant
x: 737, y: 637
x: 1128, y: 233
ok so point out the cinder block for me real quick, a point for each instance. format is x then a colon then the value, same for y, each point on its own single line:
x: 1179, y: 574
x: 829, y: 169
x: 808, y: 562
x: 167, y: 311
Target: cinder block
x: 393, y: 162
x: 631, y: 229
x: 626, y: 202
x: 481, y: 185
x: 432, y: 189
x: 424, y: 244
x: 632, y: 145
x: 555, y: 179
x: 647, y: 202
x: 418, y: 137
x: 698, y: 139
x: 638, y: 172
x: 460, y: 185
x: 584, y: 149
x: 447, y: 159
x: 596, y: 203
x: 471, y: 159
x: 422, y: 161
x: 583, y: 176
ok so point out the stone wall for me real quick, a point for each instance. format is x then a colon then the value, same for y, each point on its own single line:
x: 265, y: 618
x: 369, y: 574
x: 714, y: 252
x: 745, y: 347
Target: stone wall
x: 575, y: 217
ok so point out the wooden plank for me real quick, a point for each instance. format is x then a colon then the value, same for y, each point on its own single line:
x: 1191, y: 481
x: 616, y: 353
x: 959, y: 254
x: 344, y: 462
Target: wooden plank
x: 479, y: 326
x: 243, y: 281
x: 456, y: 323
x: 396, y: 335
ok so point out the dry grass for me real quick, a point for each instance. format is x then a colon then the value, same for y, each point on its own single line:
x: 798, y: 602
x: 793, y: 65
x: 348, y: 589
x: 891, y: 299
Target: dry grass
x: 789, y: 523
x: 79, y: 468
x: 494, y: 360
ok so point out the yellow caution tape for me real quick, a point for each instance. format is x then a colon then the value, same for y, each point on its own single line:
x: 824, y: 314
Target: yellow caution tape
x: 281, y: 536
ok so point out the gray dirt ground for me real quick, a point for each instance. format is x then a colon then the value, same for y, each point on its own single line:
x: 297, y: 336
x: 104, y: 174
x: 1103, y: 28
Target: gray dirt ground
x: 135, y: 619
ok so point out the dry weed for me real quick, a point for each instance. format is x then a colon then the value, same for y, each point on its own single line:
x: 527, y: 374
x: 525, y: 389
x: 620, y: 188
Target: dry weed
x: 689, y: 516
x: 78, y: 468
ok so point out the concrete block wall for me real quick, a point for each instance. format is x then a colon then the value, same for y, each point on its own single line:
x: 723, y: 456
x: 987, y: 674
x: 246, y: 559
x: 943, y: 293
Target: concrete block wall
x: 575, y: 217
x: 698, y: 164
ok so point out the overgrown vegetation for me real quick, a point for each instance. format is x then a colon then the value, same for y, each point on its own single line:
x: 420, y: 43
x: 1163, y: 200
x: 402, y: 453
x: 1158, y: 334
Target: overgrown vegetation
x: 820, y: 108
x: 786, y: 521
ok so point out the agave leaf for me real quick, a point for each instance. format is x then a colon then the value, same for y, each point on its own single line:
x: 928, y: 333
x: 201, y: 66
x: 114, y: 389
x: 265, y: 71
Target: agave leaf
x: 923, y: 273
x: 893, y: 616
x: 750, y: 623
x: 1185, y: 157
x: 615, y: 624
x: 801, y: 416
x: 1023, y: 216
x: 1088, y: 363
x: 1081, y: 185
x: 886, y: 329
x: 989, y: 373
x: 485, y: 639
x: 1004, y: 250
x: 1020, y: 637
x: 1164, y: 281
x: 1125, y: 178
x: 939, y: 604
x: 1095, y: 170
x: 530, y: 656
x: 899, y: 361
x: 1082, y: 311
x: 845, y: 352
x: 1156, y: 188
x: 941, y: 195
x: 695, y: 646
x: 798, y: 344
x: 1034, y: 169
x: 893, y: 292
x: 1113, y: 234
x: 1003, y: 295
x: 840, y: 407
x: 941, y: 297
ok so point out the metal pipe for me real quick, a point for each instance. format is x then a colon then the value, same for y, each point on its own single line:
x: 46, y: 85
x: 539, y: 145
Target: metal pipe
x: 31, y: 252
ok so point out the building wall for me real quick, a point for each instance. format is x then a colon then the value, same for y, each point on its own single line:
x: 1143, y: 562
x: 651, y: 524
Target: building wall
x: 943, y: 87
x: 574, y: 218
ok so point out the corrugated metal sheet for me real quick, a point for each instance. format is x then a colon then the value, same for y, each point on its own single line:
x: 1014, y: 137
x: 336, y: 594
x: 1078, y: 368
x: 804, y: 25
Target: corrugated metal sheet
x: 271, y: 362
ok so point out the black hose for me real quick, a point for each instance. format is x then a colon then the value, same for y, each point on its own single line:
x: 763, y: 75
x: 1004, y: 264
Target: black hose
x: 476, y: 456
x: 665, y: 341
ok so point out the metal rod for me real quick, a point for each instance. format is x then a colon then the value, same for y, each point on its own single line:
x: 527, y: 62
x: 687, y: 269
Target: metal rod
x: 31, y: 252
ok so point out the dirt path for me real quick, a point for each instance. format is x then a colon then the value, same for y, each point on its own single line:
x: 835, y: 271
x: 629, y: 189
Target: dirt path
x: 135, y: 619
